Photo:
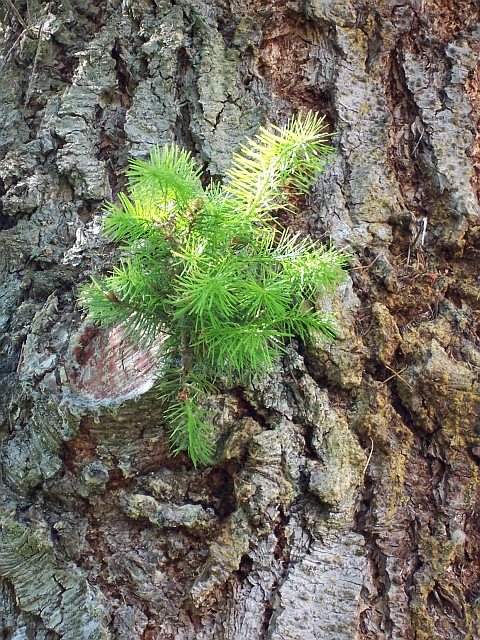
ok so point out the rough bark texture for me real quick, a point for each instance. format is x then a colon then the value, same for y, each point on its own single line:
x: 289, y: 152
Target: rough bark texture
x: 345, y: 498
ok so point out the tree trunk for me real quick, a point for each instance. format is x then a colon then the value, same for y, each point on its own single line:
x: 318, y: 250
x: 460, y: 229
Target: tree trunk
x: 344, y: 502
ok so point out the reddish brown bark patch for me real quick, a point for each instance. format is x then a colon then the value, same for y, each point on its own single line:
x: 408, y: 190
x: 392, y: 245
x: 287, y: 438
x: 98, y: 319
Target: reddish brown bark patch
x: 110, y: 368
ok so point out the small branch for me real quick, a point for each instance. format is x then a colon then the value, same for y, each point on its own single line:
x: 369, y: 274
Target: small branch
x: 367, y: 266
x: 424, y: 230
x: 19, y: 16
x: 397, y: 375
x: 349, y: 108
x: 394, y: 375
x: 419, y: 140
x: 367, y: 329
x: 368, y: 460
x: 421, y: 234
x: 20, y: 359
x: 29, y: 91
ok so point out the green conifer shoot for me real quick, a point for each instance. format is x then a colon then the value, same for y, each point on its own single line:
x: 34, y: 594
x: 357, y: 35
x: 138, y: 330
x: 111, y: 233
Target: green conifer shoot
x: 212, y: 270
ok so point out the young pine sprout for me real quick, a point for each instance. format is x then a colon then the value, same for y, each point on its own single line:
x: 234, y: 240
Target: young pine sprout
x: 212, y: 270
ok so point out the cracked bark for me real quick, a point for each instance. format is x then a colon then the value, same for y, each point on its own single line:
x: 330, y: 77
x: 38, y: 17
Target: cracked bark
x: 344, y: 502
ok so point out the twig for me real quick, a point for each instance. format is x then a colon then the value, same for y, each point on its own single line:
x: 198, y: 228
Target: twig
x: 421, y: 258
x: 20, y: 359
x: 397, y: 375
x: 394, y: 375
x: 367, y: 329
x: 419, y: 140
x: 19, y: 16
x: 29, y: 92
x: 421, y: 234
x: 24, y: 24
x: 349, y: 108
x: 424, y: 223
x: 368, y: 460
x: 367, y: 266
x: 27, y: 28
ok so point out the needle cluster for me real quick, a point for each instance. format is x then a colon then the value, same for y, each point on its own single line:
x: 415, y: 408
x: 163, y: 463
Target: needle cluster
x: 213, y: 271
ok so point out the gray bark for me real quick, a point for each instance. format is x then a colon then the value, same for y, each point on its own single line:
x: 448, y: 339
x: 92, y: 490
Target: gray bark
x: 344, y: 500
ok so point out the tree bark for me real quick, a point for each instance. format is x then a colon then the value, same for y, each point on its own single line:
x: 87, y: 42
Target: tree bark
x: 344, y: 499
